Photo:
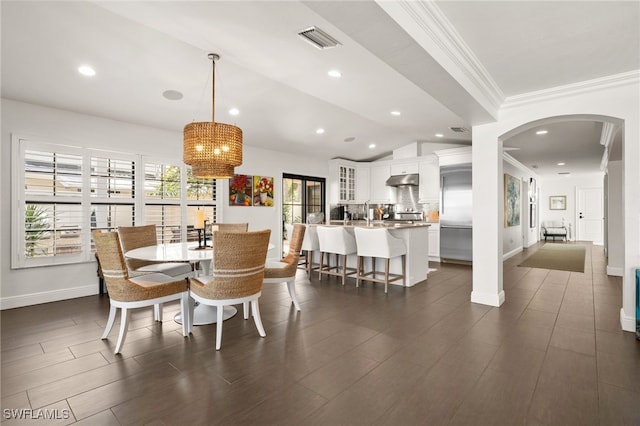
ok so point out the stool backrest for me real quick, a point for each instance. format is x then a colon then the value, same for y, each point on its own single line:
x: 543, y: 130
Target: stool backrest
x: 378, y: 242
x: 311, y: 241
x: 336, y: 239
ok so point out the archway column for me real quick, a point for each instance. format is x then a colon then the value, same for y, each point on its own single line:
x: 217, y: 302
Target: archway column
x: 488, y: 216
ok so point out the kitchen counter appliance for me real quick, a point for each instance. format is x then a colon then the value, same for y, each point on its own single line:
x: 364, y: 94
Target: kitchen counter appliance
x: 456, y: 213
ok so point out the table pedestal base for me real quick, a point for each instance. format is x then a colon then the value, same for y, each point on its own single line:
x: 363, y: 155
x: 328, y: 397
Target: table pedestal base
x: 205, y: 314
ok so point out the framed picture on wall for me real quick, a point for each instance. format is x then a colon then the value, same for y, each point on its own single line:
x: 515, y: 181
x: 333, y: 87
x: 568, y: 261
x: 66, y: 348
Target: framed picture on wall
x: 558, y: 202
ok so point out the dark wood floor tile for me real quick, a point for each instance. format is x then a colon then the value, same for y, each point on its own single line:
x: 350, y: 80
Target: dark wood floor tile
x: 434, y: 399
x: 46, y: 375
x: 338, y: 375
x: 21, y: 352
x: 470, y: 353
x: 618, y: 406
x: 564, y: 402
x: 529, y: 335
x: 569, y: 366
x: 538, y: 318
x: 552, y: 306
x: 622, y: 370
x: 617, y: 343
x: 29, y: 338
x: 575, y: 322
x: 371, y: 397
x: 583, y: 342
x: 15, y: 401
x: 54, y: 414
x: 380, y: 347
x: 25, y: 365
x: 497, y: 398
x: 112, y: 394
x: 517, y: 360
x: 289, y: 406
x: 345, y: 340
x: 107, y: 346
x: 62, y: 389
x: 103, y: 418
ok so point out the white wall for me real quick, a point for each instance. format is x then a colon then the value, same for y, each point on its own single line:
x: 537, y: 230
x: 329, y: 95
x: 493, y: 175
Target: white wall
x: 566, y: 186
x: 22, y: 287
x: 615, y: 230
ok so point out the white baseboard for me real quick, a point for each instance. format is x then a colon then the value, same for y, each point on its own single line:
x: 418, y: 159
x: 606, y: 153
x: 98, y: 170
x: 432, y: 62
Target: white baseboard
x: 512, y: 253
x: 47, y: 296
x: 615, y: 271
x: 489, y: 299
x: 628, y: 323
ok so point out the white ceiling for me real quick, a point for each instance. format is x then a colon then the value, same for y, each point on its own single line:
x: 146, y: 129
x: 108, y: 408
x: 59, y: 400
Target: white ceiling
x: 280, y: 84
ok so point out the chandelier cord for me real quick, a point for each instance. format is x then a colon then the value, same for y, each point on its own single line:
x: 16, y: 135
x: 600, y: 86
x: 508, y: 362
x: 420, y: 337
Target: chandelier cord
x: 202, y: 93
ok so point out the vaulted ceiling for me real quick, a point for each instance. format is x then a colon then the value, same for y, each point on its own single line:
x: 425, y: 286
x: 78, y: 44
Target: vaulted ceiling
x: 441, y: 65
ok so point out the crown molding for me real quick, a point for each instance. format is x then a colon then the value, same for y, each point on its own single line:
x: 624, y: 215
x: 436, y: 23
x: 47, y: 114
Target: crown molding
x: 622, y: 79
x: 428, y: 17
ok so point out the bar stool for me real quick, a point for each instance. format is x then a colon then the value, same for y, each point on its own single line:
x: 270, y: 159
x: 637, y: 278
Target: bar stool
x: 310, y: 244
x: 379, y: 243
x: 335, y: 240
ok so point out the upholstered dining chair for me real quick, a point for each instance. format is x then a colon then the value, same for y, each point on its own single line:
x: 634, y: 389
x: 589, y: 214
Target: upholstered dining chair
x: 127, y: 293
x: 236, y: 276
x: 133, y: 237
x: 284, y: 271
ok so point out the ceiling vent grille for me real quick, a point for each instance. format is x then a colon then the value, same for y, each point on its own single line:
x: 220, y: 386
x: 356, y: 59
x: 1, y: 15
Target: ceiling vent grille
x: 459, y: 129
x: 318, y: 38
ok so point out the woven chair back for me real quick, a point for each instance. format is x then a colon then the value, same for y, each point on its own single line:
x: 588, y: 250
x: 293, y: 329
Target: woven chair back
x: 114, y: 268
x: 232, y: 227
x: 133, y: 237
x: 295, y: 245
x: 238, y: 265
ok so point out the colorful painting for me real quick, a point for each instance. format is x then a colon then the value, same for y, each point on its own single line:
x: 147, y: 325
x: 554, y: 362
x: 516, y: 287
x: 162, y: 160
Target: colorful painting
x: 240, y: 190
x: 263, y: 191
x: 511, y: 201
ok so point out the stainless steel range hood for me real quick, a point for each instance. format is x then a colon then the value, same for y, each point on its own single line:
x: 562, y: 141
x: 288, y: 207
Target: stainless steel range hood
x: 400, y: 180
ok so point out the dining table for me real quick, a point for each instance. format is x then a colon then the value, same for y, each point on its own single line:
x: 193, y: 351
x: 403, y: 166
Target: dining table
x: 186, y: 252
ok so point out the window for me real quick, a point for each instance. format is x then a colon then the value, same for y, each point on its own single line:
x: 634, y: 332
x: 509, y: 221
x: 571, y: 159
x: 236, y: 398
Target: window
x: 62, y: 193
x: 301, y: 196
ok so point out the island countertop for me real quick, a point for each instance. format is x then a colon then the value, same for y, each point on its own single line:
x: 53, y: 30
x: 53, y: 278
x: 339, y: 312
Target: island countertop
x: 380, y: 224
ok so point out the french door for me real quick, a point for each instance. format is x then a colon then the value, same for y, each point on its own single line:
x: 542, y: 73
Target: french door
x: 303, y: 197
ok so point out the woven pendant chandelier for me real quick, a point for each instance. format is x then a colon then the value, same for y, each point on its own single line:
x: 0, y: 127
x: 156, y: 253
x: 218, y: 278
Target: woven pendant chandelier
x: 212, y: 149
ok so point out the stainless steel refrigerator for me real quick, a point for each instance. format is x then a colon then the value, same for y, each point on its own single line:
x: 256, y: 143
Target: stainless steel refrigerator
x: 456, y: 213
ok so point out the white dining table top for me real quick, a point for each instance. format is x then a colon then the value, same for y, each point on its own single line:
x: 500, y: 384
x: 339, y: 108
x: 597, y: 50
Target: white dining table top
x: 173, y: 252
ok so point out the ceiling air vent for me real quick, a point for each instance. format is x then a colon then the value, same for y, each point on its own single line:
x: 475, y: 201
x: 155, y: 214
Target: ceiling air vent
x: 318, y: 38
x: 459, y: 129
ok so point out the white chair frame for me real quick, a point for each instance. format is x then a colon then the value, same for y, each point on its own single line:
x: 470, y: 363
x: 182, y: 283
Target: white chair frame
x: 221, y: 303
x: 157, y: 314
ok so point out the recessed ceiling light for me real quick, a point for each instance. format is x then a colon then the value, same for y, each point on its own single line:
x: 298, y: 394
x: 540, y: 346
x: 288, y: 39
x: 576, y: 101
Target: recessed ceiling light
x: 172, y: 95
x: 234, y: 111
x: 439, y: 135
x: 86, y: 70
x: 542, y: 132
x: 372, y: 145
x: 396, y: 113
x: 335, y: 74
x: 561, y: 164
x: 320, y: 131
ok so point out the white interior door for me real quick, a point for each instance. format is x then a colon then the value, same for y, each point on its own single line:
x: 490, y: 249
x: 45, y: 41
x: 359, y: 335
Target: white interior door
x: 590, y: 210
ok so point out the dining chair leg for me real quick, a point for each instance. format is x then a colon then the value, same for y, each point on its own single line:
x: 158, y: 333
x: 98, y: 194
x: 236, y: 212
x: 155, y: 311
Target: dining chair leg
x: 245, y: 310
x: 110, y: 321
x: 291, y: 285
x: 186, y: 317
x: 255, y: 309
x: 157, y: 312
x: 220, y: 310
x: 124, y: 326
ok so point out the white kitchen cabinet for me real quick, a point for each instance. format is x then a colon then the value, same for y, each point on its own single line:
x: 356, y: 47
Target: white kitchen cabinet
x: 380, y: 193
x: 429, y: 190
x: 434, y: 242
x: 363, y: 191
x: 404, y: 168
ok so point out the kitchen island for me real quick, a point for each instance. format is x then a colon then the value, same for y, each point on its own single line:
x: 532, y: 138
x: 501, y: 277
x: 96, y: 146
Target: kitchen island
x: 416, y: 238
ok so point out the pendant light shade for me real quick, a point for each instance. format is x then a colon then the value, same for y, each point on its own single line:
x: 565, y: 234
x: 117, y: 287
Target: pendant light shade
x: 212, y: 149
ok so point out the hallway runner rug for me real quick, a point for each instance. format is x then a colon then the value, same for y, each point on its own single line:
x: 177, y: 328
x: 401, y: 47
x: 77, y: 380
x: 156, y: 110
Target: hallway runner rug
x: 563, y: 257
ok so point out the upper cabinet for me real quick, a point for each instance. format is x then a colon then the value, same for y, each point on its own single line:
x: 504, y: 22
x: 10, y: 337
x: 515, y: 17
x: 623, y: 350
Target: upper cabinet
x: 380, y: 193
x: 429, y: 191
x: 348, y: 182
x: 404, y: 168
